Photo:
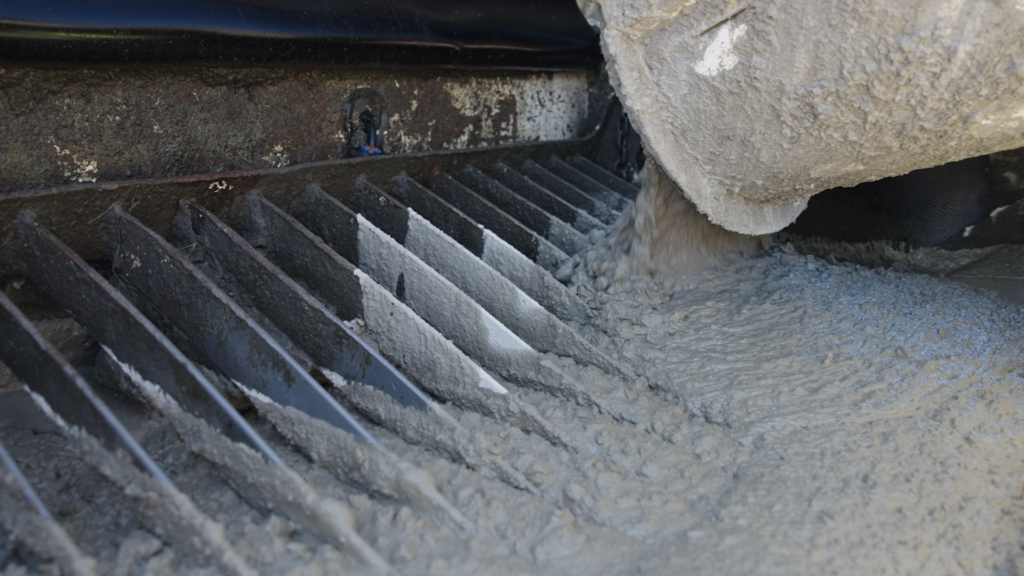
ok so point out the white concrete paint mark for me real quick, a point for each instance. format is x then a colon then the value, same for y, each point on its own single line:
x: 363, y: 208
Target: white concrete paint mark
x: 996, y: 212
x: 78, y: 170
x: 45, y: 408
x: 490, y: 383
x: 968, y: 230
x: 526, y: 304
x: 337, y: 379
x: 719, y: 55
x: 498, y: 336
x: 278, y: 157
x: 220, y: 186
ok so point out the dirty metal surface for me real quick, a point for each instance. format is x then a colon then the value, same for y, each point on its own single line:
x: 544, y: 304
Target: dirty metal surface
x: 116, y: 324
x: 218, y: 326
x: 62, y: 388
x: 227, y: 302
x: 101, y: 125
x: 76, y: 209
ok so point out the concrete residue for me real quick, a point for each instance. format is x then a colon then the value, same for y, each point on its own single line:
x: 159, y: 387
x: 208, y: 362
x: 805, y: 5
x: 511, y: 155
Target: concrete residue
x: 262, y: 484
x: 529, y: 277
x: 753, y: 108
x: 362, y: 464
x: 435, y: 430
x: 162, y: 508
x: 24, y: 528
x: 662, y: 235
x: 877, y: 413
x: 167, y: 512
x: 539, y: 106
x: 458, y: 379
x: 523, y: 315
x: 719, y: 54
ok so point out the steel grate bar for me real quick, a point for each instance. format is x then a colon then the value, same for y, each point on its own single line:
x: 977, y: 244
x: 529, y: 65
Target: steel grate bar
x: 594, y: 206
x: 324, y: 270
x: 604, y: 177
x: 535, y: 281
x: 433, y: 297
x: 554, y: 230
x: 18, y: 480
x: 610, y: 199
x: 113, y: 321
x: 441, y: 214
x: 408, y: 340
x: 377, y: 207
x: 288, y: 247
x: 45, y: 372
x: 530, y: 190
x: 30, y: 525
x: 301, y: 317
x: 583, y: 182
x: 218, y: 326
x: 471, y: 268
x: 435, y: 277
x: 515, y: 309
x: 494, y: 219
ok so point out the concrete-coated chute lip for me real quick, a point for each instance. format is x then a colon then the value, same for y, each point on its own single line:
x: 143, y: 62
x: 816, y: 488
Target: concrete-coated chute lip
x: 752, y: 109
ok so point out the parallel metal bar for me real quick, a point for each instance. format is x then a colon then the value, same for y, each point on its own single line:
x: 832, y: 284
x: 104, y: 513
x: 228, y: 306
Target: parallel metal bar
x: 420, y: 348
x: 546, y: 225
x: 550, y: 292
x: 605, y: 177
x: 345, y: 227
x: 511, y: 305
x: 44, y: 371
x: 593, y: 206
x: 556, y: 183
x: 515, y: 309
x: 484, y: 314
x: 303, y: 317
x: 27, y: 492
x: 493, y: 251
x: 30, y: 525
x: 327, y: 221
x: 218, y: 326
x: 112, y: 320
x: 440, y: 213
x: 493, y: 218
x: 435, y: 299
x: 587, y: 184
x: 488, y: 215
x: 379, y: 208
x: 523, y: 186
x: 409, y: 341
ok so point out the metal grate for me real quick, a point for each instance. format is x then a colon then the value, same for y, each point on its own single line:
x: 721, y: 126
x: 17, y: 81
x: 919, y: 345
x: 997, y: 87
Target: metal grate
x: 312, y: 293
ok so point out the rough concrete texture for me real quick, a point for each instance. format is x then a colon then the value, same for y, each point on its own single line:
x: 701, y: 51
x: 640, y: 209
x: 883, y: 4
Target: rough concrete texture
x: 795, y: 415
x: 422, y: 236
x: 752, y: 109
x: 23, y: 528
x: 661, y: 235
x: 413, y: 345
x: 511, y: 307
x: 262, y: 484
x: 95, y: 125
